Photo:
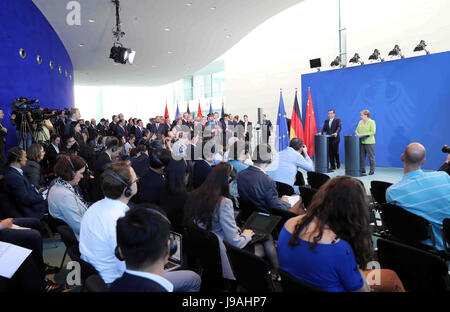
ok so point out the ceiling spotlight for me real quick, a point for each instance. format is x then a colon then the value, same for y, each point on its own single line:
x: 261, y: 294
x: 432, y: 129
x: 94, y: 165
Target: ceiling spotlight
x: 337, y: 62
x: 122, y: 55
x: 421, y: 47
x: 396, y: 52
x: 356, y: 59
x: 167, y: 29
x: 119, y: 53
x: 92, y: 20
x: 376, y: 56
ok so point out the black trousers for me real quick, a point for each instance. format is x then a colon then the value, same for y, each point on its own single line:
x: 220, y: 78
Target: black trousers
x: 333, y: 151
x: 2, y: 155
x: 30, y: 275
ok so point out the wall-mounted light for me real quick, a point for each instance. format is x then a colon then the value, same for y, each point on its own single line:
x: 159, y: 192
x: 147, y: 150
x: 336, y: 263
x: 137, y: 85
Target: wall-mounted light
x: 421, y: 47
x: 396, y: 52
x: 376, y: 56
x: 356, y: 59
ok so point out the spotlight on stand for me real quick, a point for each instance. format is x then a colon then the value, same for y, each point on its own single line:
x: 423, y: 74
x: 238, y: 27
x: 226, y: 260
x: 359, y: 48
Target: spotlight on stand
x: 337, y: 62
x: 119, y: 53
x: 421, y: 47
x: 356, y: 59
x: 396, y: 52
x: 376, y: 56
x: 122, y: 55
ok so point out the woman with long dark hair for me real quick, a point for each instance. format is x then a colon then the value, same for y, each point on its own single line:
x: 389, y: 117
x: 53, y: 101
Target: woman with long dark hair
x: 331, y: 244
x: 211, y: 208
x: 174, y: 194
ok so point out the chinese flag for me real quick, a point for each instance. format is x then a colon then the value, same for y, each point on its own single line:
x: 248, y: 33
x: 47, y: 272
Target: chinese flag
x: 296, y: 121
x: 199, y: 113
x: 166, y: 114
x: 310, y: 126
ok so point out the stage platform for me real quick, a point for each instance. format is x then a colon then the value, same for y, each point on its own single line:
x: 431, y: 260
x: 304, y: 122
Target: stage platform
x: 386, y: 174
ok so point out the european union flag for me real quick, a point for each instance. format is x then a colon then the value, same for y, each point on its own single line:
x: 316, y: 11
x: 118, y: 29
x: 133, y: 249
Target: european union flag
x: 210, y: 108
x: 177, y: 113
x: 282, y: 138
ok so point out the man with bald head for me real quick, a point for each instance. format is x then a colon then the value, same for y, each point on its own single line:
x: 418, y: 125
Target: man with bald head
x: 426, y: 194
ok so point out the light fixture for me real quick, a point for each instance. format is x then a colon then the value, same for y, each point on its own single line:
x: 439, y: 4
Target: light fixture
x: 396, y: 52
x: 81, y: 45
x: 228, y: 36
x: 188, y: 4
x: 376, y: 56
x: 170, y: 52
x: 421, y: 47
x: 356, y: 59
x: 119, y: 53
x: 213, y: 8
x: 337, y: 62
x: 167, y: 29
x: 92, y: 20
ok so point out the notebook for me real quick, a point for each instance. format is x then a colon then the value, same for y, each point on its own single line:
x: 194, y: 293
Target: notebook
x: 175, y: 261
x: 262, y: 224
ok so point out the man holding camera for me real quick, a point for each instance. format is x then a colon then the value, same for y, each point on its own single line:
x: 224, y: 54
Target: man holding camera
x: 285, y: 166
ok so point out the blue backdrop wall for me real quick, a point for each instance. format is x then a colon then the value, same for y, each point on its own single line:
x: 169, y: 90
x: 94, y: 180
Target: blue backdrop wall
x: 24, y: 26
x: 409, y: 100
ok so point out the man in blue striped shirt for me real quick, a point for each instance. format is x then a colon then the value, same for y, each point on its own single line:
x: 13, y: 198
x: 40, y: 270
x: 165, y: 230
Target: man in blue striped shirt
x: 426, y: 194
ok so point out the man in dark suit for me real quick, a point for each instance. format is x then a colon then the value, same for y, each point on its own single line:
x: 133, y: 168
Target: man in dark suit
x: 3, y: 134
x: 113, y: 125
x: 267, y: 126
x: 28, y: 200
x: 332, y: 126
x: 51, y: 153
x: 146, y: 254
x: 101, y: 127
x: 120, y: 129
x: 246, y: 130
x: 139, y: 127
x: 256, y: 187
x: 92, y: 130
x: 141, y: 162
x: 157, y: 128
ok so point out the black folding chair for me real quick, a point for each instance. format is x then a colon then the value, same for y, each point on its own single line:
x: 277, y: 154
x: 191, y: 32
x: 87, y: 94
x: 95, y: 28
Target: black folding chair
x: 406, y: 227
x: 68, y: 238
x: 246, y: 208
x: 95, y: 283
x: 285, y: 215
x: 252, y: 272
x: 417, y: 269
x: 307, y: 195
x: 317, y: 179
x: 291, y: 284
x: 284, y: 189
x: 203, y: 246
x: 446, y: 236
x: 299, y: 179
x: 86, y: 268
x: 378, y: 191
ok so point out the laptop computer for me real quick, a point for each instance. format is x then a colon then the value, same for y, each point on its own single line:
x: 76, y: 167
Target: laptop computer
x: 262, y: 224
x: 175, y: 261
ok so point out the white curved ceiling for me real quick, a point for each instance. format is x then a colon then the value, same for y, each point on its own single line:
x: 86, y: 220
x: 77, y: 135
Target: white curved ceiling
x: 199, y: 34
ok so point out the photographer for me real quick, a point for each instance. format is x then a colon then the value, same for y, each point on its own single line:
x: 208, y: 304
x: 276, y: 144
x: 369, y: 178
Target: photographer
x: 42, y: 126
x: 446, y: 166
x: 24, y: 139
x: 284, y: 168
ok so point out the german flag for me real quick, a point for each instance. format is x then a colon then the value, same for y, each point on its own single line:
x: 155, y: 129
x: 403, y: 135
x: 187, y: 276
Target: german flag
x: 296, y: 121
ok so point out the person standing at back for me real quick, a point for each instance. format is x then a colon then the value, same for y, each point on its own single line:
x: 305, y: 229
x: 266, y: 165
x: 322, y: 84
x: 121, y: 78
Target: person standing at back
x: 332, y: 126
x: 367, y: 127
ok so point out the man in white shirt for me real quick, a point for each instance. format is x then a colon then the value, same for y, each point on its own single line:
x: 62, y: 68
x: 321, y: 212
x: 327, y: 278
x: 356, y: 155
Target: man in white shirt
x: 98, y: 228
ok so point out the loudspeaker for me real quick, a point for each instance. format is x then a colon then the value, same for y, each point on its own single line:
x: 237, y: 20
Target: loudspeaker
x: 315, y: 63
x: 260, y: 116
